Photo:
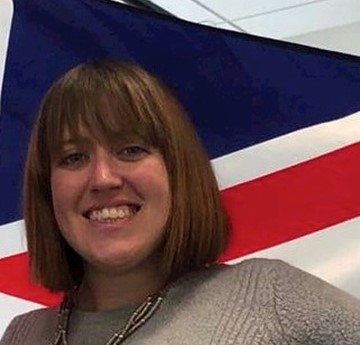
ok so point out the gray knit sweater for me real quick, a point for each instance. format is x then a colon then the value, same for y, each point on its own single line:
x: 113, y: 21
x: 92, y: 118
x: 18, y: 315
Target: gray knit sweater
x: 256, y: 302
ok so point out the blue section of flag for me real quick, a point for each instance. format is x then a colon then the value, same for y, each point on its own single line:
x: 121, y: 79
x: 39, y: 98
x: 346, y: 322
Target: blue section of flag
x: 238, y: 89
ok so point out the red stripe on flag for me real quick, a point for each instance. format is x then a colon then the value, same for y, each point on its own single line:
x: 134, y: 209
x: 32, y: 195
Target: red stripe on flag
x: 15, y: 281
x: 294, y: 202
x: 267, y: 211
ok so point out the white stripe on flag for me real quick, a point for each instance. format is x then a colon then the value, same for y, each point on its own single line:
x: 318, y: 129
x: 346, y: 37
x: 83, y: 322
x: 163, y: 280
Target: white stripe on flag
x: 6, y: 13
x: 332, y: 254
x: 12, y: 306
x: 285, y: 151
x: 12, y: 239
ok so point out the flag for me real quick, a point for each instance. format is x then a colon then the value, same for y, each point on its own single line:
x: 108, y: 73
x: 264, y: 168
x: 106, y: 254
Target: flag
x: 281, y: 123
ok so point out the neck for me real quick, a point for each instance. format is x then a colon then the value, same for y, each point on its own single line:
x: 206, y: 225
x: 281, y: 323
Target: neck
x: 104, y: 290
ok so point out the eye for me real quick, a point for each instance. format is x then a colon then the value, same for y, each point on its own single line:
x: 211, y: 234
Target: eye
x: 132, y: 153
x: 73, y: 160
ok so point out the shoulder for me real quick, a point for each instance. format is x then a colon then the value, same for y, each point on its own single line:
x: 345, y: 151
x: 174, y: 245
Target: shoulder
x: 288, y: 281
x: 259, y: 272
x: 306, y: 307
x: 248, y: 284
x: 248, y: 274
x: 37, y: 324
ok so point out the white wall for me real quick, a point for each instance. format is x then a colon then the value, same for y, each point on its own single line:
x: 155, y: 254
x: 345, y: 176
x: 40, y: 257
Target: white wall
x: 345, y: 39
x: 327, y: 24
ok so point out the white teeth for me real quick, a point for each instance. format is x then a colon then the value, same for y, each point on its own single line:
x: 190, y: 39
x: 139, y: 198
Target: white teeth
x: 111, y: 214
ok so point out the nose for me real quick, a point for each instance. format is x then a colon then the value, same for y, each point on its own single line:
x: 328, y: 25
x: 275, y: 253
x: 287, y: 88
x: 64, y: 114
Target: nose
x: 105, y: 173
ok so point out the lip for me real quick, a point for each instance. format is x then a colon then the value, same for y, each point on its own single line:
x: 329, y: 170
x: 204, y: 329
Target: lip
x: 113, y: 228
x: 135, y: 205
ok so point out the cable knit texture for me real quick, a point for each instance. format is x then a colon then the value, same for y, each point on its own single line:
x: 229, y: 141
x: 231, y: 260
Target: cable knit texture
x: 256, y: 302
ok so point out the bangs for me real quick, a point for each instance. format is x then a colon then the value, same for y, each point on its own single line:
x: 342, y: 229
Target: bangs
x: 109, y: 109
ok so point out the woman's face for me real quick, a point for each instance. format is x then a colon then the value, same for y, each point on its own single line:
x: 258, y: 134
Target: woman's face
x: 111, y: 203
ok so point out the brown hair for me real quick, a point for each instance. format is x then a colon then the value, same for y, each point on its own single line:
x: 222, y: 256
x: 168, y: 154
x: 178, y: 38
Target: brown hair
x: 105, y: 97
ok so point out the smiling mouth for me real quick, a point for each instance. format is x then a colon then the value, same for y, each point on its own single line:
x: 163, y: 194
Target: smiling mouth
x: 112, y: 214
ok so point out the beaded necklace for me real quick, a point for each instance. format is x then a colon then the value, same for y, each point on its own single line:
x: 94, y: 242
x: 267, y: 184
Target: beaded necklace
x: 137, y: 319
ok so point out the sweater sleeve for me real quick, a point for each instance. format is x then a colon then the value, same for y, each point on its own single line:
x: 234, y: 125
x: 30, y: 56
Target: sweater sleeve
x: 311, y: 311
x: 33, y: 328
x: 11, y: 335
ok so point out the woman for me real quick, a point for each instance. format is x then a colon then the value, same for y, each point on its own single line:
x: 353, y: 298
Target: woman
x: 123, y: 215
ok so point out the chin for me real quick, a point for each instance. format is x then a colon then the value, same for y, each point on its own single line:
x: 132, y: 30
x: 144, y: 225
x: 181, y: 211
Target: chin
x: 116, y: 262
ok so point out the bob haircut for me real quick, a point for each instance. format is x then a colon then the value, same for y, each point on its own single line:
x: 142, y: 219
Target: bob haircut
x: 120, y: 100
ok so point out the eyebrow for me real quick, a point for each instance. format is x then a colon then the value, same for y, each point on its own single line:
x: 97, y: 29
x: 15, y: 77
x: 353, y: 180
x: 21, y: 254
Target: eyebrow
x: 78, y: 140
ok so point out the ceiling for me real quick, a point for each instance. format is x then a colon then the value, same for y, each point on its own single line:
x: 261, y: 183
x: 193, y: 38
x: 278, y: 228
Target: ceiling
x: 329, y: 24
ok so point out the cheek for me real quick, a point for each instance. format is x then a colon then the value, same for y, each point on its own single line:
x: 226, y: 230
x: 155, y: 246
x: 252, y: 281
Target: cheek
x: 59, y: 205
x: 63, y: 192
x: 66, y: 186
x: 158, y: 184
x: 58, y: 191
x: 153, y: 181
